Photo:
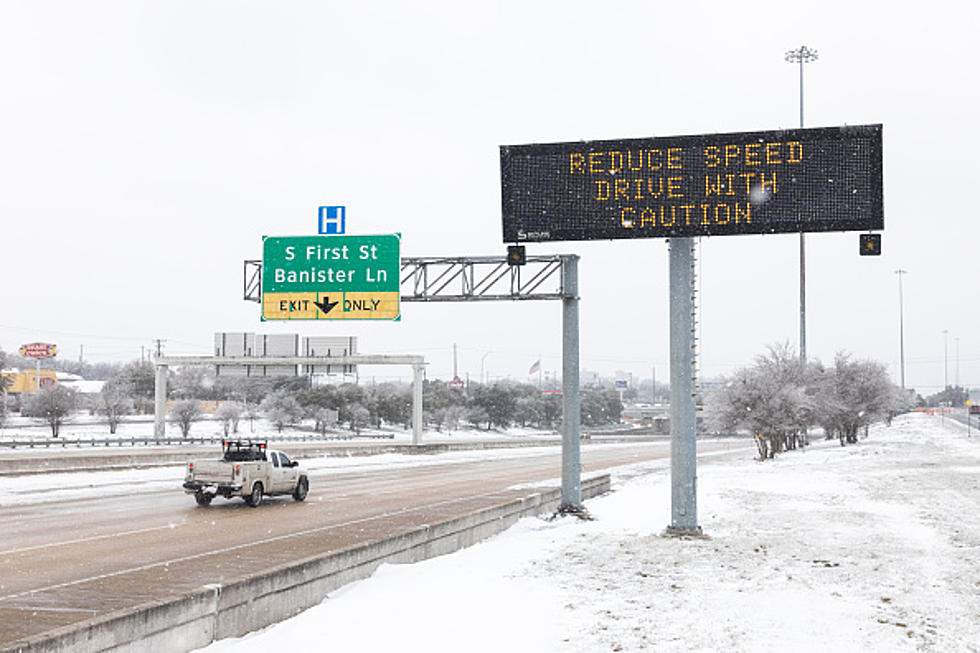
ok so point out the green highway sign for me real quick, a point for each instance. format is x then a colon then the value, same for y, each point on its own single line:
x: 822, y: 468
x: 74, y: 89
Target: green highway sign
x: 331, y: 277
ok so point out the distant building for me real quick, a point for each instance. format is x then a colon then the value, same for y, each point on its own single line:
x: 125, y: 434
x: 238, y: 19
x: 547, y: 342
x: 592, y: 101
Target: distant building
x: 25, y: 382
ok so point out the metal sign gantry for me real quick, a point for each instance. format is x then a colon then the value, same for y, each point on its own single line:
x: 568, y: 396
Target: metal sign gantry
x: 492, y: 278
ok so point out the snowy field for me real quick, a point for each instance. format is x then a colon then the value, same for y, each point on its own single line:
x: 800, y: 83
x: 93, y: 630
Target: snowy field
x: 872, y: 547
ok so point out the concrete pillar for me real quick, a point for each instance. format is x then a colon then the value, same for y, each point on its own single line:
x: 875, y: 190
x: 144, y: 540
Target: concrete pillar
x: 417, y: 404
x: 160, y: 402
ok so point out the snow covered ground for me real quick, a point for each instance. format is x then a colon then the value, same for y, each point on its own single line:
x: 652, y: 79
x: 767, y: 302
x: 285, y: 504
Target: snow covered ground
x: 82, y: 425
x: 872, y: 547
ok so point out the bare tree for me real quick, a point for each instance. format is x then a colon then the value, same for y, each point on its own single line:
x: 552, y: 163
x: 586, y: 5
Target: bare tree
x: 114, y: 401
x: 185, y: 412
x: 52, y: 405
x: 282, y: 409
x: 230, y: 412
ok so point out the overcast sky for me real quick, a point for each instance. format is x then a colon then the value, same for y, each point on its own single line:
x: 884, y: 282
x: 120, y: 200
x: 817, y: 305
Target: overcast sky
x: 146, y: 148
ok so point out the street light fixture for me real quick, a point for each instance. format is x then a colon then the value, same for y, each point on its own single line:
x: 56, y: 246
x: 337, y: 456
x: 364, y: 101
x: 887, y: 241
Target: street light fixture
x: 802, y: 55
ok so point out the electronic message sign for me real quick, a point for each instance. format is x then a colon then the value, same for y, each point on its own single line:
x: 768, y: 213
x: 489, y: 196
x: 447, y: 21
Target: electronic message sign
x: 331, y: 277
x: 797, y: 180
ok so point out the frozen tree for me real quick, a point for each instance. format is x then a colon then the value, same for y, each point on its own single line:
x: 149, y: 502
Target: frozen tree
x: 282, y: 409
x: 452, y: 417
x: 358, y: 416
x: 323, y: 418
x: 392, y: 403
x: 769, y: 399
x: 184, y: 413
x: 5, y: 382
x: 529, y: 409
x: 115, y: 401
x: 852, y: 395
x: 230, y: 412
x: 140, y: 377
x: 52, y: 405
x: 477, y: 415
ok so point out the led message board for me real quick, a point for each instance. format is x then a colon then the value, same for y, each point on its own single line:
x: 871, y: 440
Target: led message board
x: 798, y: 180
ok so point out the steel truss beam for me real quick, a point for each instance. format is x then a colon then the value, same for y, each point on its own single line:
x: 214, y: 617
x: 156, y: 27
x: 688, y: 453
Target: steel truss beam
x: 461, y: 279
x: 253, y: 281
x: 480, y: 278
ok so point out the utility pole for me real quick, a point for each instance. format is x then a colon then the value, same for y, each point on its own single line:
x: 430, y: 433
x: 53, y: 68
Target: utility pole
x: 159, y: 346
x: 802, y: 55
x: 901, y: 327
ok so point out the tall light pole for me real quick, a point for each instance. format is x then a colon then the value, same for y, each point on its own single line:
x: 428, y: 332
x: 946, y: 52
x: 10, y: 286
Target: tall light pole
x: 945, y: 359
x: 957, y: 341
x: 802, y: 55
x: 901, y: 327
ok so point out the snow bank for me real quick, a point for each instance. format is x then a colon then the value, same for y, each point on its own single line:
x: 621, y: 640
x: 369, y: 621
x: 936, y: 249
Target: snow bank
x: 872, y: 547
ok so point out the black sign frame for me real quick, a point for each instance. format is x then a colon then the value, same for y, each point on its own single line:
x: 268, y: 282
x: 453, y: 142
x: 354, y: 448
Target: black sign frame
x: 783, y: 181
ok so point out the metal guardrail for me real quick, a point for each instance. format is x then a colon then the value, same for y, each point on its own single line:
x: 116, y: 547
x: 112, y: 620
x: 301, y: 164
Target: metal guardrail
x: 47, y: 443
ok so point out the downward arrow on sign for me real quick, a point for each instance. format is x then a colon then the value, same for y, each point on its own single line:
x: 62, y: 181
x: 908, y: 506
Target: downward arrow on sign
x: 326, y: 305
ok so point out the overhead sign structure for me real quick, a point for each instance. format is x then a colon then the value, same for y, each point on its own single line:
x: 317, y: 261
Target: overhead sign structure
x: 331, y: 277
x: 38, y: 350
x: 799, y: 180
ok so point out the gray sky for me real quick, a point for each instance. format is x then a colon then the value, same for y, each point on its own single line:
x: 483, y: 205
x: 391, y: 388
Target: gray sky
x: 145, y: 149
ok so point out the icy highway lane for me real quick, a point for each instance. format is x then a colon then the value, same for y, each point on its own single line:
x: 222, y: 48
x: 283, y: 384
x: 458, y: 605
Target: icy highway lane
x: 74, y: 550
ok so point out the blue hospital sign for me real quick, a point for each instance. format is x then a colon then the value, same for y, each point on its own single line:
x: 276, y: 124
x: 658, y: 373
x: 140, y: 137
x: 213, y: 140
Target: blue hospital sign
x: 332, y: 220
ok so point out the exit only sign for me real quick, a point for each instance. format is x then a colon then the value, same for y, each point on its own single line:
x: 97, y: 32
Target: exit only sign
x: 331, y: 277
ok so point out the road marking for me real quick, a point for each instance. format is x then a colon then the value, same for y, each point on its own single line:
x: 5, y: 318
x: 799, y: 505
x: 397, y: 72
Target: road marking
x: 92, y: 538
x: 278, y: 538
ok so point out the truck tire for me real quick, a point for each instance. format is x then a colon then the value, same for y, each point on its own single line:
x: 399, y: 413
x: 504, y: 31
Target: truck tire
x: 203, y: 498
x: 255, y: 498
x: 301, y: 489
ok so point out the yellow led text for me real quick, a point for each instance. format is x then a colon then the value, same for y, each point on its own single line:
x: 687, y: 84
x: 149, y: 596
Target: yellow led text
x: 634, y: 160
x: 685, y: 215
x: 753, y: 154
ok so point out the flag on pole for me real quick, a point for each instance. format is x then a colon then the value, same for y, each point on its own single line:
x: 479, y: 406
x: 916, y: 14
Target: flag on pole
x: 535, y: 367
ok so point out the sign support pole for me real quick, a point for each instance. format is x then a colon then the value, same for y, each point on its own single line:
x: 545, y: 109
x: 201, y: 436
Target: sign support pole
x: 571, y: 466
x: 160, y: 401
x: 683, y: 426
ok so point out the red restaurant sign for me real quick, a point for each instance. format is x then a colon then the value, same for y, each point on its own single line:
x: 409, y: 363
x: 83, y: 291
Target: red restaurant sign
x: 38, y: 350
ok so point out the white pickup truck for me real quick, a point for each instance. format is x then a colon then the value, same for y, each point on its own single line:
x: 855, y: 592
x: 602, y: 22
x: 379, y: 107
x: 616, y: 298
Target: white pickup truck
x: 247, y: 469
